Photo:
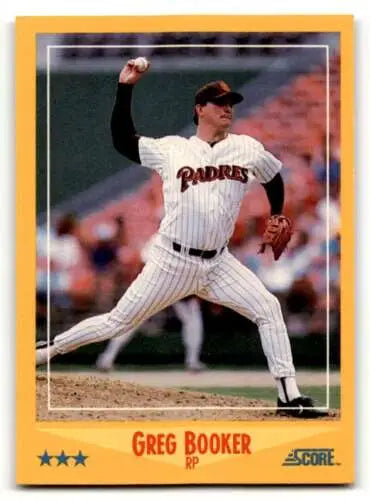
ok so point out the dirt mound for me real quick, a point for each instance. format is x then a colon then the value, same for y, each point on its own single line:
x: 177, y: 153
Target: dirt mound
x: 120, y: 400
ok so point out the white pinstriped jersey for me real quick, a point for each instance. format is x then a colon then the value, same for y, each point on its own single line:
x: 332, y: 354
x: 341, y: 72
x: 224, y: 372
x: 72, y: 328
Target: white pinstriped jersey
x: 203, y: 186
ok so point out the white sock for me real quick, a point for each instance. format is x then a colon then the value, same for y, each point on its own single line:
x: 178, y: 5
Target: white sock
x: 42, y: 354
x: 287, y: 388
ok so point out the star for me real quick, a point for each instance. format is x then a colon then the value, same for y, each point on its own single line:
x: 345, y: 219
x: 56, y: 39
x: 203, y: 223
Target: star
x: 45, y: 458
x: 80, y: 458
x: 62, y: 458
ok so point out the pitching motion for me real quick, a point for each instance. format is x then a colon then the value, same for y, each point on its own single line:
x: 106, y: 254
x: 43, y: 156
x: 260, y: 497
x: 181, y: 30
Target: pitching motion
x: 204, y: 179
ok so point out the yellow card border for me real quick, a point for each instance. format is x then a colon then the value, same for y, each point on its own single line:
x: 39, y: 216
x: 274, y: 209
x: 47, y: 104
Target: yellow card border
x: 271, y: 440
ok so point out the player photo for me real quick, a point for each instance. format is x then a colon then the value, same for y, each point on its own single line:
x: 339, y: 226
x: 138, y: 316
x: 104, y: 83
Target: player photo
x: 189, y: 237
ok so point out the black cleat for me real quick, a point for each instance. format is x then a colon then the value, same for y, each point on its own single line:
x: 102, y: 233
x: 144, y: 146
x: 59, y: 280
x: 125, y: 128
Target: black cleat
x: 302, y: 407
x: 43, y: 343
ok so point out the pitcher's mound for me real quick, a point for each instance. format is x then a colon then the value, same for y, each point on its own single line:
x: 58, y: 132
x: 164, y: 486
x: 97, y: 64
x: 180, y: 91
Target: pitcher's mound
x: 87, y: 397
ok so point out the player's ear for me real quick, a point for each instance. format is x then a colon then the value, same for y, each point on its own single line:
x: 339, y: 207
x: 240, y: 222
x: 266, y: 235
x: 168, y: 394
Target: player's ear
x: 198, y: 110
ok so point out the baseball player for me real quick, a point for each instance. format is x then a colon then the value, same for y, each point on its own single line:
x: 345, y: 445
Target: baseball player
x: 204, y: 179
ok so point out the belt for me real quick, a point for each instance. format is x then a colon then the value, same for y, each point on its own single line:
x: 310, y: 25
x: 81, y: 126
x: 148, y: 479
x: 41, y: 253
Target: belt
x: 205, y: 254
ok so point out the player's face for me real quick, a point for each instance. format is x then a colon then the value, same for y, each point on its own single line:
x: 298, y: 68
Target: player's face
x: 218, y: 115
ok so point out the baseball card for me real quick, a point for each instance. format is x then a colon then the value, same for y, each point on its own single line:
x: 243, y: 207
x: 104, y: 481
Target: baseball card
x: 185, y: 192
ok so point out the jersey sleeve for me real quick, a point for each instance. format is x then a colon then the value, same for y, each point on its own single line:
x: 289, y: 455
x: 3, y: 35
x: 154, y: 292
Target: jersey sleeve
x: 154, y: 152
x: 264, y: 164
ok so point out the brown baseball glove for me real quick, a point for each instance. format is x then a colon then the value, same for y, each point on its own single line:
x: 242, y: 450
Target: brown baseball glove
x: 277, y: 234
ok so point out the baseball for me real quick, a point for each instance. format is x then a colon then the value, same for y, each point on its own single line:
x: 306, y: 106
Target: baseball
x: 141, y: 64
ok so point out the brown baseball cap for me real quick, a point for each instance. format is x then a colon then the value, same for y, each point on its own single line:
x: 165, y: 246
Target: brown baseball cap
x: 215, y: 92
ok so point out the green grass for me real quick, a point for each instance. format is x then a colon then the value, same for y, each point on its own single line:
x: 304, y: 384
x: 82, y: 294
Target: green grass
x: 269, y: 393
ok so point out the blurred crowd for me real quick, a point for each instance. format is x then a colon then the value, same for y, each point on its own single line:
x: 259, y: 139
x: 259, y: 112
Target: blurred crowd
x: 292, y: 125
x: 93, y: 260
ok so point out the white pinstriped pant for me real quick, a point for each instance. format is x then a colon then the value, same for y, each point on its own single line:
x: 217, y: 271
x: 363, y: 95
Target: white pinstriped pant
x: 170, y: 276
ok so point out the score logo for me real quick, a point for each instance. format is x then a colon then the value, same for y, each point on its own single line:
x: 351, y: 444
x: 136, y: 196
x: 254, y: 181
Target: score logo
x: 310, y: 456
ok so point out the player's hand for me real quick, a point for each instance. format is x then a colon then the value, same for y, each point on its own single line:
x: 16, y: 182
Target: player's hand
x: 130, y: 74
